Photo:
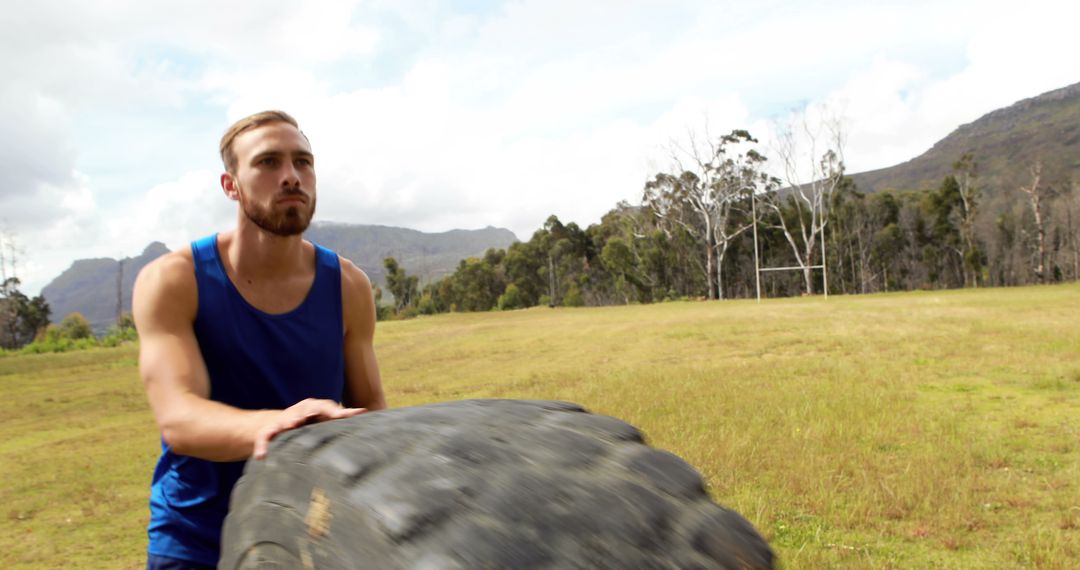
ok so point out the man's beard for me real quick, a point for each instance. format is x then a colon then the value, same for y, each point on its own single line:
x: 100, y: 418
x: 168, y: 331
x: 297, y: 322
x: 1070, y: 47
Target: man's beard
x: 294, y: 220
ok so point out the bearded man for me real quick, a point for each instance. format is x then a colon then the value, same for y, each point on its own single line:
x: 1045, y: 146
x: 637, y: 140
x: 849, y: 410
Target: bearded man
x: 249, y: 333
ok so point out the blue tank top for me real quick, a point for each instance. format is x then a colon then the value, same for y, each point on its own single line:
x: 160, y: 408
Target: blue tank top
x: 255, y: 361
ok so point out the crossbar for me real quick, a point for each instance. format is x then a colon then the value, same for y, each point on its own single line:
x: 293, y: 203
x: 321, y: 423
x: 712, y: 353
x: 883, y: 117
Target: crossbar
x: 791, y: 268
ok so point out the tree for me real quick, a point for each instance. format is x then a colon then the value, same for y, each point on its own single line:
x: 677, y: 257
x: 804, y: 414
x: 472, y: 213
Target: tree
x: 809, y: 187
x: 1071, y: 210
x: 21, y: 317
x: 546, y: 240
x: 708, y: 200
x: 477, y: 284
x: 404, y: 288
x: 524, y: 266
x: 965, y: 174
x: 511, y: 299
x: 637, y: 260
x: 941, y: 240
x: 1035, y: 194
x: 888, y: 244
x: 850, y: 243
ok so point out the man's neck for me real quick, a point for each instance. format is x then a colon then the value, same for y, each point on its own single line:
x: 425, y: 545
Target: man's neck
x: 255, y: 254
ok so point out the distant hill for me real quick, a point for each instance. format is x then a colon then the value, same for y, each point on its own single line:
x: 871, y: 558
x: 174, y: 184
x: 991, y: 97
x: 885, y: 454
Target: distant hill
x: 1004, y: 142
x: 430, y: 256
x: 98, y: 288
x: 101, y: 288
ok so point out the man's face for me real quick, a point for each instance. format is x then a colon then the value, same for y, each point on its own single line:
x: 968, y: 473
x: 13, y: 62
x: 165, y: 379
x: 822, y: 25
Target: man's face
x: 274, y: 178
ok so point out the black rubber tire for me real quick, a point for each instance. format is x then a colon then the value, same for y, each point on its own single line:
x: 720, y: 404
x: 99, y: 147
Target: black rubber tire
x: 479, y: 484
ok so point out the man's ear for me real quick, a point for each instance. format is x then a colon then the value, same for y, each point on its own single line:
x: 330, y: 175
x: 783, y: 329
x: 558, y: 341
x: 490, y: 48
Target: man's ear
x: 228, y: 185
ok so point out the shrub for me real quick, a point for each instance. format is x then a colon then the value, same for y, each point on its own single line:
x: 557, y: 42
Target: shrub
x: 75, y: 326
x: 384, y: 312
x: 43, y: 346
x: 125, y: 322
x: 573, y: 297
x: 56, y: 338
x: 426, y: 305
x: 52, y: 333
x: 511, y: 299
x: 117, y: 336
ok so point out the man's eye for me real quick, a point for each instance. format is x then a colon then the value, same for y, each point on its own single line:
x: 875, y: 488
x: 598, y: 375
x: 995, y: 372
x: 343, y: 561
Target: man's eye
x: 303, y: 161
x: 268, y: 161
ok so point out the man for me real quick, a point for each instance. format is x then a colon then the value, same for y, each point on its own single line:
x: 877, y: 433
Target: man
x: 247, y: 334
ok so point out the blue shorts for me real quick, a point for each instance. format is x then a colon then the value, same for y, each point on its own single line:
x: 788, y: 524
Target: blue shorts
x: 154, y: 562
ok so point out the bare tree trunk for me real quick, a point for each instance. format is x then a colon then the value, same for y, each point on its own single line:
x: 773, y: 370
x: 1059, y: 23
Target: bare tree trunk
x: 968, y: 192
x: 808, y: 273
x: 1036, y: 201
x: 710, y: 266
x: 720, y: 273
x: 1073, y: 245
x: 551, y: 280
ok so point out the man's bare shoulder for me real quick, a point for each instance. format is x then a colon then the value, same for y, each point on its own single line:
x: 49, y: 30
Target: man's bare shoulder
x: 168, y: 280
x: 357, y: 299
x: 173, y: 269
x: 353, y: 278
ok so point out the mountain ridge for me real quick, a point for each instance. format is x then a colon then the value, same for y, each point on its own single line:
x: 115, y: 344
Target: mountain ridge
x: 1004, y: 143
x: 100, y: 288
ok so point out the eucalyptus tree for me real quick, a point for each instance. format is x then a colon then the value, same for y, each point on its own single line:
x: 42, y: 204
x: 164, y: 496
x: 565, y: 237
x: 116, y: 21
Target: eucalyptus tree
x: 404, y: 287
x: 631, y: 254
x: 710, y: 198
x: 1036, y: 193
x: 966, y: 175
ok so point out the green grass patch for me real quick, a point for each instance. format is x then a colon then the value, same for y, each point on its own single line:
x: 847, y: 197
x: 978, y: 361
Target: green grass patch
x: 918, y: 430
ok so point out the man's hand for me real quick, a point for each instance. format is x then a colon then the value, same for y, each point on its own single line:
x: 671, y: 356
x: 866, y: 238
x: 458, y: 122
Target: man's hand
x: 301, y: 413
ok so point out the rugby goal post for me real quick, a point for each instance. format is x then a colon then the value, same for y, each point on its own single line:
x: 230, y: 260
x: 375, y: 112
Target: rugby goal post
x: 758, y: 269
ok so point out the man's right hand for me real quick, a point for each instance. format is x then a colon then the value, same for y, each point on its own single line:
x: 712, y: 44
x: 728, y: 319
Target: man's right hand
x: 299, y: 414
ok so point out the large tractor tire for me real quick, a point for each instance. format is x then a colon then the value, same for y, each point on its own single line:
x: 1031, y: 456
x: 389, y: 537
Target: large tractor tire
x: 479, y: 484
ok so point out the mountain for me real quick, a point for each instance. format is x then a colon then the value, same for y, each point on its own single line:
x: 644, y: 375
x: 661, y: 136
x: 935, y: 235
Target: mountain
x: 1005, y: 143
x: 430, y: 256
x: 101, y: 288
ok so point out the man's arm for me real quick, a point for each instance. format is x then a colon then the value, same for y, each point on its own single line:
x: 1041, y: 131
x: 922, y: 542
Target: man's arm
x: 164, y: 302
x: 363, y: 386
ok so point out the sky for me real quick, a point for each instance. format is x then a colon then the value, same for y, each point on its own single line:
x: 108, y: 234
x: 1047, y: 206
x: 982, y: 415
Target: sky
x: 439, y: 115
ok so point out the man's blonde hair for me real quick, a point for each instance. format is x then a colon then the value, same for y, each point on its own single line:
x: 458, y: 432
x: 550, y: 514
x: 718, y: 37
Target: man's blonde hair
x: 228, y: 157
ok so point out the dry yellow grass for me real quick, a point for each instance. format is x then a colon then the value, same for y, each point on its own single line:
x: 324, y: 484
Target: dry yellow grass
x: 890, y: 431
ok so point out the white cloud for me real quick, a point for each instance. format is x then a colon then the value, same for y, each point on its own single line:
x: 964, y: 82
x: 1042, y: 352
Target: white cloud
x: 426, y: 115
x: 175, y: 212
x: 895, y: 111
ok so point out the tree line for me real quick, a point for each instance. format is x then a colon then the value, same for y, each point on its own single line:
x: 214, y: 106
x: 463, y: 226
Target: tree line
x: 696, y: 229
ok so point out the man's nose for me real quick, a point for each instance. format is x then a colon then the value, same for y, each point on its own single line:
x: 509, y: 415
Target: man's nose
x: 290, y: 177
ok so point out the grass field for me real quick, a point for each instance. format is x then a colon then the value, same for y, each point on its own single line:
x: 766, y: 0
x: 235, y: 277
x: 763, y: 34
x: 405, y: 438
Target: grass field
x: 920, y: 430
